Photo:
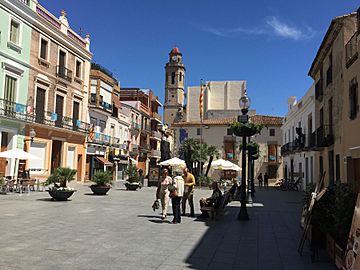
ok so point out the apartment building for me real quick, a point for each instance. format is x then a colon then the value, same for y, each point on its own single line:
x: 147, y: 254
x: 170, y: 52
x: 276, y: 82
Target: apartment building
x: 328, y: 71
x: 298, y: 150
x: 149, y: 121
x: 15, y: 40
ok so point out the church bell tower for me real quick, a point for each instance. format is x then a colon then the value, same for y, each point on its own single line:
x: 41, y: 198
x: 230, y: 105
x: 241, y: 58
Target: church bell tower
x: 174, y: 88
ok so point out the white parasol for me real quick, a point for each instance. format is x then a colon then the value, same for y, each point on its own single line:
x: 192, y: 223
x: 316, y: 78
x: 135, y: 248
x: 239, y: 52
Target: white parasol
x: 222, y: 164
x: 17, y: 154
x: 173, y: 162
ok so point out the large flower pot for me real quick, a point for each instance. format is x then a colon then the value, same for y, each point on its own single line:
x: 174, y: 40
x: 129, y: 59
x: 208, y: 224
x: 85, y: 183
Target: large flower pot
x: 60, y: 195
x: 132, y: 186
x: 99, y: 190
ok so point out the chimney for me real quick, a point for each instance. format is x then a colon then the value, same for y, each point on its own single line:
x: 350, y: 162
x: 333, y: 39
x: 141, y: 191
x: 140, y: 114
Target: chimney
x: 291, y: 102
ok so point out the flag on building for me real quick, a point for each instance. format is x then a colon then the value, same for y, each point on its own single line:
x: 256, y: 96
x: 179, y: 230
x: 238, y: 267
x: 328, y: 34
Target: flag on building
x: 201, y: 99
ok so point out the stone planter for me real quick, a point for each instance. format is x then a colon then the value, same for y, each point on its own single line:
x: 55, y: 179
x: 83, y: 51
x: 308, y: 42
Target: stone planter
x: 132, y: 186
x: 99, y: 190
x: 60, y: 195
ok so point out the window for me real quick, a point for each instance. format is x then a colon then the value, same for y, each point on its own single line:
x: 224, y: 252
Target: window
x: 229, y: 132
x: 102, y: 125
x: 44, y: 44
x: 10, y: 89
x: 180, y: 76
x: 78, y: 69
x: 14, y: 32
x: 353, y: 99
x: 329, y: 71
x: 198, y: 131
x: 93, y: 121
x: 173, y: 78
x: 272, y: 132
x: 337, y: 166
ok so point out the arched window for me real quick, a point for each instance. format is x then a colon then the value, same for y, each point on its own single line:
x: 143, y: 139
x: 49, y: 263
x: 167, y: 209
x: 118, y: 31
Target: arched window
x: 180, y: 76
x: 173, y: 78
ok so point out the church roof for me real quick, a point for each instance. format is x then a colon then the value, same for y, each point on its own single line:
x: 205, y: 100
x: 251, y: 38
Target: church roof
x: 175, y: 50
x: 265, y: 120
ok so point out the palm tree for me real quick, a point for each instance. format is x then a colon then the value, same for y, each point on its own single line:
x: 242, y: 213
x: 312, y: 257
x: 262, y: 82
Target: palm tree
x: 61, y: 177
x: 211, y: 152
x: 186, y: 151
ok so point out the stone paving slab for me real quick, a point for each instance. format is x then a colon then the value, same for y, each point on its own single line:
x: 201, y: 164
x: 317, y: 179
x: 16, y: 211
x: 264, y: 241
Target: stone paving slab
x: 120, y: 231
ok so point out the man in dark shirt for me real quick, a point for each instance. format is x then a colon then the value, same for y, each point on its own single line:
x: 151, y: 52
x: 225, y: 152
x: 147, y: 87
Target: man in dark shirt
x: 213, y: 201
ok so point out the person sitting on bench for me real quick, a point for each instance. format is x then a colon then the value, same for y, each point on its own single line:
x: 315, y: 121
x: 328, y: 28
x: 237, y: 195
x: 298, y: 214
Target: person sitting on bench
x: 213, y: 201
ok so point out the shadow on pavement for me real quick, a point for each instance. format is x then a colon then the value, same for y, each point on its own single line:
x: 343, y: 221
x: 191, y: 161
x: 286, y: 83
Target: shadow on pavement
x: 269, y: 240
x: 52, y: 200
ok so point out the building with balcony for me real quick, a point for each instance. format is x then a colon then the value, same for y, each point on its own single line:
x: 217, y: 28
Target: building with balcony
x: 52, y: 102
x: 15, y: 46
x: 147, y: 104
x: 107, y: 145
x: 299, y: 139
x: 217, y: 132
x: 350, y: 113
x: 329, y: 69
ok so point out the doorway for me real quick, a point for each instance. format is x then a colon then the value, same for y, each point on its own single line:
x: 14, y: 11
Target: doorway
x: 59, y: 109
x: 4, y: 145
x: 40, y: 105
x: 75, y: 116
x: 56, y: 155
x: 79, y: 167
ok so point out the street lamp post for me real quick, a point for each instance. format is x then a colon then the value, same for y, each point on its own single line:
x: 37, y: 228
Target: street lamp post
x: 244, y: 103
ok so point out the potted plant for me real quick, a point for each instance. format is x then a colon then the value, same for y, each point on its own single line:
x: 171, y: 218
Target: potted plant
x: 245, y: 129
x: 133, y: 178
x: 102, y: 182
x: 58, y: 181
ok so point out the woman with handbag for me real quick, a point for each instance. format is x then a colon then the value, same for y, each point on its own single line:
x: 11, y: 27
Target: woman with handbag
x: 176, y: 197
x: 163, y: 192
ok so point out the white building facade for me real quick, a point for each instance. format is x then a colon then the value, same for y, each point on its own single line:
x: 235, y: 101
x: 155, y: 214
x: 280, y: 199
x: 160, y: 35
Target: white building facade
x: 299, y: 139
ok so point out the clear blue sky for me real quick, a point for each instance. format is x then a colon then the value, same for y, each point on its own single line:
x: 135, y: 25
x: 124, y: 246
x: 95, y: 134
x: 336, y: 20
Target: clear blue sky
x: 270, y: 44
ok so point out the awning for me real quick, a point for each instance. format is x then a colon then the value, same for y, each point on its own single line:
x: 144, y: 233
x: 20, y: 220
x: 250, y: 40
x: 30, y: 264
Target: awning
x: 104, y: 161
x: 355, y: 152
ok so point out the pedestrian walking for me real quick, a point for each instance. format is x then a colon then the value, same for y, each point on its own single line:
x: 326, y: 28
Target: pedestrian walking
x: 176, y: 198
x: 189, y: 180
x: 162, y: 192
x: 260, y: 179
x: 266, y: 180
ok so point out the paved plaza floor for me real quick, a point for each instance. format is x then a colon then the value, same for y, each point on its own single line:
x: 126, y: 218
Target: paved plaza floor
x: 121, y: 231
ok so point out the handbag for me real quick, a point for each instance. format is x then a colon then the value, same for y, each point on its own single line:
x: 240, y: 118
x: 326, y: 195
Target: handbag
x: 155, y: 205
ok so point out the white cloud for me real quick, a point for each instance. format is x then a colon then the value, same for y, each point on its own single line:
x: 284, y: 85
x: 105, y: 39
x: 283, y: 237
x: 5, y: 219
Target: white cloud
x: 283, y: 30
x: 273, y: 27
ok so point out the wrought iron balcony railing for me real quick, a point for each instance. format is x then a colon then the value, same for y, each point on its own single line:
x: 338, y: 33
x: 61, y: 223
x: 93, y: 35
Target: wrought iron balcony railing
x: 64, y: 73
x: 324, y: 136
x: 21, y: 112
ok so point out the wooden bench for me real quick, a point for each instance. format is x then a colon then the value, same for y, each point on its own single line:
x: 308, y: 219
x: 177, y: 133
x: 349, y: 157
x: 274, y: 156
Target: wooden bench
x: 212, y: 211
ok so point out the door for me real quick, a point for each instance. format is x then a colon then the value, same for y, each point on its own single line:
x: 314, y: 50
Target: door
x: 3, y: 161
x: 306, y: 171
x: 75, y: 116
x: 79, y: 167
x: 62, y: 64
x: 331, y: 167
x: 59, y: 110
x: 56, y: 155
x: 40, y: 105
x: 9, y: 95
